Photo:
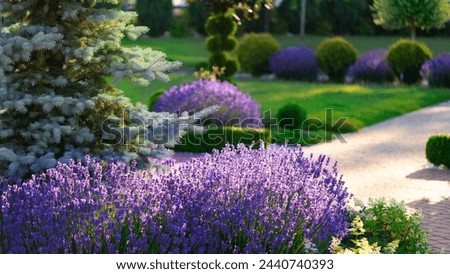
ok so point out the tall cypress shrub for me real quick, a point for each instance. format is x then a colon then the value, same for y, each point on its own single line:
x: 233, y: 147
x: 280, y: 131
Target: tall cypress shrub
x: 157, y: 15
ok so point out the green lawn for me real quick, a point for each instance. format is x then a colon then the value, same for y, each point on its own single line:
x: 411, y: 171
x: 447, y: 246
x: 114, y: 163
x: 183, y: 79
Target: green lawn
x: 364, y: 105
x: 191, y: 51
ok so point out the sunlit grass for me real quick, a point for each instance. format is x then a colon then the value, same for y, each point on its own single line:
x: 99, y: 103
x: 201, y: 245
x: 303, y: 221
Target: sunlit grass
x: 363, y: 105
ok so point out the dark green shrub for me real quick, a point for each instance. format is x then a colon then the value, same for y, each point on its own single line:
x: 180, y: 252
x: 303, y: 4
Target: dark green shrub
x: 231, y: 67
x: 229, y: 43
x: 291, y: 116
x: 329, y: 16
x: 214, y: 44
x: 155, y: 14
x: 218, y: 137
x: 407, y: 57
x: 202, y: 65
x: 387, y: 222
x: 279, y: 24
x: 198, y: 14
x: 180, y: 26
x: 179, y: 29
x: 323, y: 28
x: 290, y: 12
x: 335, y: 55
x: 438, y: 150
x: 346, y: 17
x: 254, y: 52
x: 155, y: 97
x: 218, y: 59
x: 218, y: 43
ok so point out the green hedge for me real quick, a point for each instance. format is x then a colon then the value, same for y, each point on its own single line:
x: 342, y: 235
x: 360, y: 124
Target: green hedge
x: 438, y: 150
x: 217, y: 138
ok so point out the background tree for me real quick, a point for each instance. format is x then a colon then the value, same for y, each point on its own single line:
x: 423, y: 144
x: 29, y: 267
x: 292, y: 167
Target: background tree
x: 55, y: 104
x: 401, y: 14
x: 157, y: 15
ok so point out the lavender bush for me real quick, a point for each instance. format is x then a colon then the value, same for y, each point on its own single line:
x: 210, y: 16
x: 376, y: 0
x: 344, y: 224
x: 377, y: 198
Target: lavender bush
x: 270, y: 200
x: 236, y: 108
x: 437, y: 71
x: 295, y: 63
x: 371, y: 67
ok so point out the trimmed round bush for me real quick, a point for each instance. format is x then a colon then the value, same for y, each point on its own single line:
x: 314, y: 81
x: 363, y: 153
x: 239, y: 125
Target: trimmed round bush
x: 291, y: 116
x: 407, y: 57
x: 295, y: 63
x: 334, y: 56
x: 438, y: 150
x: 221, y: 25
x: 371, y: 67
x: 218, y: 59
x: 236, y: 108
x: 218, y: 43
x: 254, y: 52
x: 437, y: 71
x: 214, y: 44
x: 274, y: 200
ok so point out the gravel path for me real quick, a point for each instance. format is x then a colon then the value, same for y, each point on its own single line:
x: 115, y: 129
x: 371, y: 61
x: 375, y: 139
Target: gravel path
x: 388, y: 160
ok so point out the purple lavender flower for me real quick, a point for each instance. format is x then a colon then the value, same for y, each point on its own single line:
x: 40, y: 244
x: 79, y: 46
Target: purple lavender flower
x: 273, y: 200
x: 295, y: 63
x: 371, y: 67
x: 236, y: 107
x: 437, y: 71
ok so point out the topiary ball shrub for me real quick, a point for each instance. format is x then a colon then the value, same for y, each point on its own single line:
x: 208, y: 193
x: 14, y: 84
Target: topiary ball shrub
x: 236, y: 108
x: 438, y: 150
x: 335, y: 55
x: 407, y: 57
x: 437, y: 71
x: 291, y: 116
x: 371, y: 67
x: 221, y: 25
x: 254, y: 52
x: 295, y: 63
x: 222, y: 29
x: 200, y: 206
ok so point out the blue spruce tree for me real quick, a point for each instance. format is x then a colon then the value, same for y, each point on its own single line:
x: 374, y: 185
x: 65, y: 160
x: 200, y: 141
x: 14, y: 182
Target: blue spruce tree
x: 55, y: 104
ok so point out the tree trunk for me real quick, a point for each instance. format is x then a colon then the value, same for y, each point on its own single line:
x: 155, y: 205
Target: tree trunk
x: 413, y: 32
x: 302, y: 21
x: 267, y: 20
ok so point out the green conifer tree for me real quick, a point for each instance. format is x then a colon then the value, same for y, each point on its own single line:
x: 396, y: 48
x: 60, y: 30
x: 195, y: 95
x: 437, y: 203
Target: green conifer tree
x: 55, y: 104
